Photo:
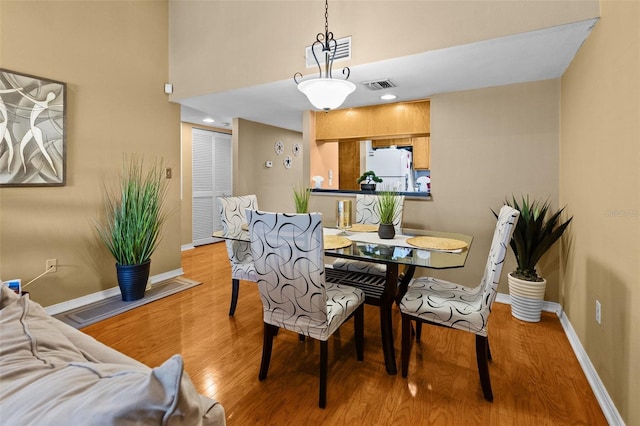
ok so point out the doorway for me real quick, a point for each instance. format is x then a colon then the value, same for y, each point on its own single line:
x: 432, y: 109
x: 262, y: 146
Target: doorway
x: 211, y: 178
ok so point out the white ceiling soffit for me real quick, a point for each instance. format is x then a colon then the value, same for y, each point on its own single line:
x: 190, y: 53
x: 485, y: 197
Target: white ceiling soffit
x: 532, y: 56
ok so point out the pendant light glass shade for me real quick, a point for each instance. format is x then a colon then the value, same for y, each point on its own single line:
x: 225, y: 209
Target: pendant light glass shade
x: 326, y: 93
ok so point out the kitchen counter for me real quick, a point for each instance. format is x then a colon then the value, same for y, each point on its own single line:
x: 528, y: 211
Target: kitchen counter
x: 338, y: 192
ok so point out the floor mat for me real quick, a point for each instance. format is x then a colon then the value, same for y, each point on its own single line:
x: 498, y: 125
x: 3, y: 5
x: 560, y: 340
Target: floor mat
x: 103, y: 309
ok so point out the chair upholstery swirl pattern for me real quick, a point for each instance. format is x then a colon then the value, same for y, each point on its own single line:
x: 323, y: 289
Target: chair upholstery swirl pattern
x: 367, y: 212
x: 232, y: 214
x: 288, y: 251
x: 440, y: 302
x: 457, y: 306
x: 288, y: 256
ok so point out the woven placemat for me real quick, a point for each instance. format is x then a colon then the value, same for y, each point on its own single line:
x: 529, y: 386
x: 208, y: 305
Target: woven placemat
x: 363, y: 227
x: 335, y: 242
x: 436, y: 243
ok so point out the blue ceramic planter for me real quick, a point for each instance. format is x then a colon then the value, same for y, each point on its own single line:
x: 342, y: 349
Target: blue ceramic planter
x: 132, y: 280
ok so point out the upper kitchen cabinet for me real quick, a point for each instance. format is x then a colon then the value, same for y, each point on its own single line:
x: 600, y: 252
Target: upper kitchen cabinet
x: 349, y: 123
x: 403, y: 118
x: 421, y: 153
x: 374, y: 122
x: 385, y: 143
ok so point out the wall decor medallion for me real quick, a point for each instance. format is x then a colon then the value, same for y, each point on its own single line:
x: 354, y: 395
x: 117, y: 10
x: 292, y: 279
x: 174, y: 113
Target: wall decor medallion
x: 32, y: 130
x: 279, y: 147
x: 288, y: 162
x: 296, y: 149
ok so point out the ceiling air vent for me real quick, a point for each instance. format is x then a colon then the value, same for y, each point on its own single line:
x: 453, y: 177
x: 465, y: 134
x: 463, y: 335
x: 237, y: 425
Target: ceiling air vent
x: 379, y: 84
x: 343, y: 52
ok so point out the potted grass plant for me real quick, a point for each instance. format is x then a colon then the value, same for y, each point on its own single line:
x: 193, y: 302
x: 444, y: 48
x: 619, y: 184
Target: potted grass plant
x: 301, y: 195
x: 134, y: 212
x: 388, y: 209
x: 537, y: 230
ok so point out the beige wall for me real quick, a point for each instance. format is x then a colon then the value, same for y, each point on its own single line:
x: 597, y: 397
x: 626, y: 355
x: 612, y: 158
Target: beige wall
x: 246, y: 31
x: 600, y: 182
x: 114, y: 58
x: 273, y: 186
x: 486, y: 145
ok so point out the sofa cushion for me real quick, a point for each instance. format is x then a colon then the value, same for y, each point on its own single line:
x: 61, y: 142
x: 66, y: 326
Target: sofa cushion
x: 47, y: 380
x: 30, y: 345
x: 106, y: 394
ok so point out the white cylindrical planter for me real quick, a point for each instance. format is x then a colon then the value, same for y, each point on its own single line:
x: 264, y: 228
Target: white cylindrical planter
x: 526, y: 298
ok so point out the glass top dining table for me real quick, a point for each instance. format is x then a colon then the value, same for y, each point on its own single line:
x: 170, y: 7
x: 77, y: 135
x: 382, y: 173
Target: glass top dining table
x: 368, y: 247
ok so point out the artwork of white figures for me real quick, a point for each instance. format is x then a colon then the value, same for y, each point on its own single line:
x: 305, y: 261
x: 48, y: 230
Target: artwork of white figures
x: 32, y: 136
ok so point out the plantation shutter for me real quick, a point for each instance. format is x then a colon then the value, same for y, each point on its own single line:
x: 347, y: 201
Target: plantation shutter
x: 211, y: 177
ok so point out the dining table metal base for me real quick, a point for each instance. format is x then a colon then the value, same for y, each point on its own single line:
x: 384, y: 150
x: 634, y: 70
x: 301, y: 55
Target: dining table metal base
x: 379, y: 291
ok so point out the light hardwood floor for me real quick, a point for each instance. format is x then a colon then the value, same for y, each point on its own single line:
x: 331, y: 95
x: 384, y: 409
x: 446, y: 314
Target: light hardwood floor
x: 535, y: 376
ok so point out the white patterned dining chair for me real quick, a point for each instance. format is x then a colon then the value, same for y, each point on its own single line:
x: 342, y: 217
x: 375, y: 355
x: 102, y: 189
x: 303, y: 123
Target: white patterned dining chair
x: 433, y: 301
x: 232, y: 214
x: 367, y: 212
x: 288, y: 253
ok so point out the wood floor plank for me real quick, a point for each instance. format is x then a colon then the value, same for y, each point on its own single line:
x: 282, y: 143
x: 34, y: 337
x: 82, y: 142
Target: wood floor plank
x: 535, y: 376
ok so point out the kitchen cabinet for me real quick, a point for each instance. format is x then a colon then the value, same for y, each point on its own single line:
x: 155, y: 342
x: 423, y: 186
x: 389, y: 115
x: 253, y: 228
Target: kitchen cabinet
x: 384, y: 143
x: 349, y: 123
x: 421, y: 152
x: 402, y: 119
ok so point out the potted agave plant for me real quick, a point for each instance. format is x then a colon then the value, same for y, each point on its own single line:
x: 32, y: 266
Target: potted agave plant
x: 134, y: 213
x: 536, y: 231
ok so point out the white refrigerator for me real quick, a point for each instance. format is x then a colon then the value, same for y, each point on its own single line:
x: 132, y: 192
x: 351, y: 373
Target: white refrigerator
x: 394, y: 166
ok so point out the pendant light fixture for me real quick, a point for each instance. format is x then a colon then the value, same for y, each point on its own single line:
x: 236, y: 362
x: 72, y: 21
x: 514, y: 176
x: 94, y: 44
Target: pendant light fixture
x: 325, y: 92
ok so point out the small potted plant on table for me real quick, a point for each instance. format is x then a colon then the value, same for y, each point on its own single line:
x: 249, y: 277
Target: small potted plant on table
x: 388, y: 208
x: 368, y: 181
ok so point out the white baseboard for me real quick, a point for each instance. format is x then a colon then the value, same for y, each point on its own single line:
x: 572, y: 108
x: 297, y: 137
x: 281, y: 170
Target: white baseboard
x: 166, y: 276
x: 104, y: 294
x: 186, y: 247
x: 606, y: 404
x: 608, y: 407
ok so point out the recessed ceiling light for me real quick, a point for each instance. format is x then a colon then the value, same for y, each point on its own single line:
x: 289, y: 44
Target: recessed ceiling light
x: 388, y: 97
x: 208, y: 120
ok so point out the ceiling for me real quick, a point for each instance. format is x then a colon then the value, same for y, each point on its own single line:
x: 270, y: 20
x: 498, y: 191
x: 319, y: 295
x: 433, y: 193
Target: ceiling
x: 532, y: 56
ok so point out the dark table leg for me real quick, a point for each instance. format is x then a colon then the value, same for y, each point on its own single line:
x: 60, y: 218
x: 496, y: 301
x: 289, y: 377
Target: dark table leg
x: 388, y: 298
x: 386, y: 325
x: 404, y: 281
x: 384, y: 300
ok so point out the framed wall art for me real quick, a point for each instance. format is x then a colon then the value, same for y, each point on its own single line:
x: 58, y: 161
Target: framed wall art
x: 32, y: 130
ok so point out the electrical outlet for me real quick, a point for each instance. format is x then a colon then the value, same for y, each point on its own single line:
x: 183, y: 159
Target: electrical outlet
x: 52, y: 265
x: 167, y: 173
x: 598, y: 312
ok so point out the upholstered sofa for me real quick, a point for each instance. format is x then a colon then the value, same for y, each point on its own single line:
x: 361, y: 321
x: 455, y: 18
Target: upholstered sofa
x: 53, y: 374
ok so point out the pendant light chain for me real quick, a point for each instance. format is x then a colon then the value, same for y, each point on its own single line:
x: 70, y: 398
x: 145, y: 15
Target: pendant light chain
x: 325, y: 92
x: 326, y: 17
